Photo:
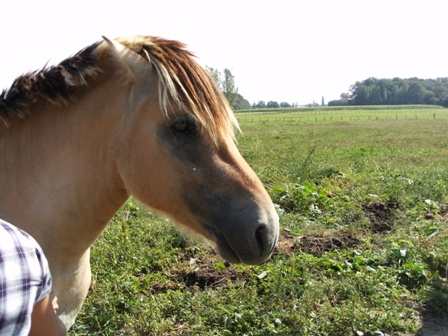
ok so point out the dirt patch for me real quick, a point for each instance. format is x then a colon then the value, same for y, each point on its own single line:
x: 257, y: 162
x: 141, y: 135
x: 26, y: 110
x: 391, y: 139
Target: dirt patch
x: 318, y: 244
x: 207, y: 275
x: 381, y: 215
x: 201, y: 274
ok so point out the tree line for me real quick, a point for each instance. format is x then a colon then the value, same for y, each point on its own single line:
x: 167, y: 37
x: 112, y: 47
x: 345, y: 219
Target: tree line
x: 272, y: 104
x: 226, y: 83
x: 372, y: 91
x: 396, y: 91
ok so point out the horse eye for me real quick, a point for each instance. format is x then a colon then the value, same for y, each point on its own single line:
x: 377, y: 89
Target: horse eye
x: 184, y: 128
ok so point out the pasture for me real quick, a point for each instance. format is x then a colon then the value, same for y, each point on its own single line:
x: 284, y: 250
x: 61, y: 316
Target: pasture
x: 363, y: 199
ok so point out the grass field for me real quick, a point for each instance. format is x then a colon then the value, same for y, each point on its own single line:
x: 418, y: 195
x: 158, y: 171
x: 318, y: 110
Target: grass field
x: 363, y: 200
x: 344, y: 113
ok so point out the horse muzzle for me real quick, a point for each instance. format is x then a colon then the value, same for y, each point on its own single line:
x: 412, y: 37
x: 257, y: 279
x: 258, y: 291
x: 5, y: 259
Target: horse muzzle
x: 247, y: 239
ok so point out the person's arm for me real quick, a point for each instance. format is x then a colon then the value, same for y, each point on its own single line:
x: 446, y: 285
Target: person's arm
x: 44, y: 321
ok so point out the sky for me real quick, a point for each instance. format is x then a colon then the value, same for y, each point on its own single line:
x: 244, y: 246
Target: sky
x: 286, y: 51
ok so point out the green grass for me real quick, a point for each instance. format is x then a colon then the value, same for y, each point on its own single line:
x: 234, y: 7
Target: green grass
x: 364, y: 239
x: 340, y: 113
x: 345, y: 109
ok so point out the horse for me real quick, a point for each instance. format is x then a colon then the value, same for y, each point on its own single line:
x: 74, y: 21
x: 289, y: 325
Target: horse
x: 125, y: 117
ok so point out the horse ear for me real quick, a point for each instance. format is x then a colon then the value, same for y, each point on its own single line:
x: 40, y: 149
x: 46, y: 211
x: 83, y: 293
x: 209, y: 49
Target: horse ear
x: 134, y: 64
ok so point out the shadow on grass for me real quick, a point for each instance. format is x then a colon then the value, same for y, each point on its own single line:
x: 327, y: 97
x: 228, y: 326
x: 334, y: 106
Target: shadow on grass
x: 435, y: 311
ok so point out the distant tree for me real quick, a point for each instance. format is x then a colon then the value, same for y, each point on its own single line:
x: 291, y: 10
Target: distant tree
x: 272, y: 104
x: 415, y: 93
x: 338, y: 102
x: 323, y: 101
x: 285, y: 104
x: 215, y: 74
x: 241, y: 103
x: 226, y: 83
x: 313, y: 104
x: 360, y: 92
x: 430, y: 98
x: 228, y: 87
x: 444, y: 101
x: 394, y: 91
x: 344, y: 100
x: 260, y: 104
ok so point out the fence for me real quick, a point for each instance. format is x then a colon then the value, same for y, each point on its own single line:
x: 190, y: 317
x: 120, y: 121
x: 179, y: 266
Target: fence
x: 319, y: 118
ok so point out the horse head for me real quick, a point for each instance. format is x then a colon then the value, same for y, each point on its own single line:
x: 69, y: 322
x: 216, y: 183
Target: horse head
x: 176, y: 150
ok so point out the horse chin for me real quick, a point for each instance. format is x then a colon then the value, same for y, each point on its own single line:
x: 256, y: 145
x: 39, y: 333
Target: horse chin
x: 234, y: 256
x: 226, y: 251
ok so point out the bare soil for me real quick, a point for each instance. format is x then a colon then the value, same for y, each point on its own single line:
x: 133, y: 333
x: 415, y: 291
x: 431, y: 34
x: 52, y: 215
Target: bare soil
x: 206, y: 275
x: 381, y: 215
x: 317, y: 244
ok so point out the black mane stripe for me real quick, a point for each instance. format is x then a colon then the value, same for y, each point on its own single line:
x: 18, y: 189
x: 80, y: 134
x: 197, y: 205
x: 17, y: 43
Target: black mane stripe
x: 55, y: 84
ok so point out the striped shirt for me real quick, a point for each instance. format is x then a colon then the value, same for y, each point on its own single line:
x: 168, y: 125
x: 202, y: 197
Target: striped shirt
x: 24, y: 279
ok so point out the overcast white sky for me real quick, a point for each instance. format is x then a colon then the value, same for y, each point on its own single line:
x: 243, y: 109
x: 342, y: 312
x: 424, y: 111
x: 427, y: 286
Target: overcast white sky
x: 293, y: 51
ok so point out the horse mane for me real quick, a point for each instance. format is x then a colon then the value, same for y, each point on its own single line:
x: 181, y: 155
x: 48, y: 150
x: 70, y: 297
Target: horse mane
x: 183, y: 84
x: 56, y: 84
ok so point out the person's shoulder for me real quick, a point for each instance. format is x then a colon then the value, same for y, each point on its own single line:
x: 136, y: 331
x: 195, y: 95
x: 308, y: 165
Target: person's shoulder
x: 17, y: 246
x: 11, y: 235
x: 21, y: 254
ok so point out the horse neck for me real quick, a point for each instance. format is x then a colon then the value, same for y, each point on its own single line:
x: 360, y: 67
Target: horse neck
x: 59, y: 180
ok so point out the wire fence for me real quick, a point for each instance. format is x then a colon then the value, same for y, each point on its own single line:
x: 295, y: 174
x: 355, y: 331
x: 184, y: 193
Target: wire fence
x: 334, y: 118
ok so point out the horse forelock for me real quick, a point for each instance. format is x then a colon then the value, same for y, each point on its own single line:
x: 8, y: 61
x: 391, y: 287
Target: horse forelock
x: 185, y: 85
x: 55, y: 84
